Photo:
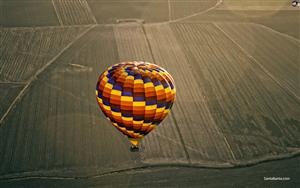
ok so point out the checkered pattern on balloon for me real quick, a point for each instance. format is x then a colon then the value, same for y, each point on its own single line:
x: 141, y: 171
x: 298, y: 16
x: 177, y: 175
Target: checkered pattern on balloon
x: 135, y: 97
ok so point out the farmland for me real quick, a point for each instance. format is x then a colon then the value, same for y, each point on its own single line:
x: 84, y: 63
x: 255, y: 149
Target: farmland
x: 16, y: 13
x: 73, y: 12
x: 8, y: 93
x: 29, y: 49
x: 172, y: 176
x: 275, y: 14
x: 148, y: 10
x: 237, y: 97
x: 245, y: 83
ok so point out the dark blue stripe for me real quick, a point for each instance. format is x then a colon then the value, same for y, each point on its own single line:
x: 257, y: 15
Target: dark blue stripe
x: 136, y: 118
x: 168, y: 105
x: 126, y: 93
x: 140, y: 98
x: 118, y: 87
x: 160, y: 105
x: 111, y: 81
x: 147, y: 120
x: 109, y: 76
x: 106, y: 102
x: 151, y: 102
x: 138, y: 76
x: 157, y: 82
x: 127, y: 114
x: 115, y: 109
x: 171, y: 84
x: 100, y: 95
x: 165, y: 84
x: 156, y: 122
x: 147, y: 79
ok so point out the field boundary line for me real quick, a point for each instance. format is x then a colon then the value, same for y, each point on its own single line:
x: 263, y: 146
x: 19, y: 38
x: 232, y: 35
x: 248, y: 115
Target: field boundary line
x: 91, y: 12
x: 57, y: 15
x: 169, y: 8
x: 177, y: 142
x: 13, y: 83
x: 53, y: 27
x: 277, y: 32
x: 41, y: 70
x: 197, y: 13
x: 256, y: 62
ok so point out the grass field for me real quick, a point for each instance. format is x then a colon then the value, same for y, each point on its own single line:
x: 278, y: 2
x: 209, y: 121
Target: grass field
x: 237, y: 87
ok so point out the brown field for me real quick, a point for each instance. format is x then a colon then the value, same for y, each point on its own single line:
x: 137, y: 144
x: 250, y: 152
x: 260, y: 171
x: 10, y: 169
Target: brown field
x: 16, y: 13
x: 25, y: 50
x: 73, y: 12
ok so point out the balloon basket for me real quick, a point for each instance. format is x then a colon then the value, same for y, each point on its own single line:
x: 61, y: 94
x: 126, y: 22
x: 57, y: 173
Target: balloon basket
x: 134, y: 144
x: 134, y: 148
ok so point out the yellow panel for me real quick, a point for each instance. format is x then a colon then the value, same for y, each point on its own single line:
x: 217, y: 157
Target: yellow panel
x: 146, y: 125
x: 99, y: 100
x: 116, y: 92
x: 148, y: 84
x: 151, y: 107
x: 127, y: 98
x: 127, y: 118
x: 137, y: 122
x: 105, y: 79
x: 122, y: 128
x: 168, y: 89
x: 116, y: 113
x: 106, y: 107
x: 160, y: 109
x: 137, y: 135
x: 139, y: 103
x: 130, y: 78
x: 138, y: 81
x: 134, y: 141
x: 159, y: 87
x: 173, y: 91
x: 108, y: 85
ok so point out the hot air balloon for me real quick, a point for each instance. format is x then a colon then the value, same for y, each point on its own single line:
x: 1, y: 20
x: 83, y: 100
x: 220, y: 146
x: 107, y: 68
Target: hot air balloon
x: 135, y: 96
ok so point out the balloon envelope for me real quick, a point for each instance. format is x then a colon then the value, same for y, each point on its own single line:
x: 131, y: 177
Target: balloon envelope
x: 135, y: 97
